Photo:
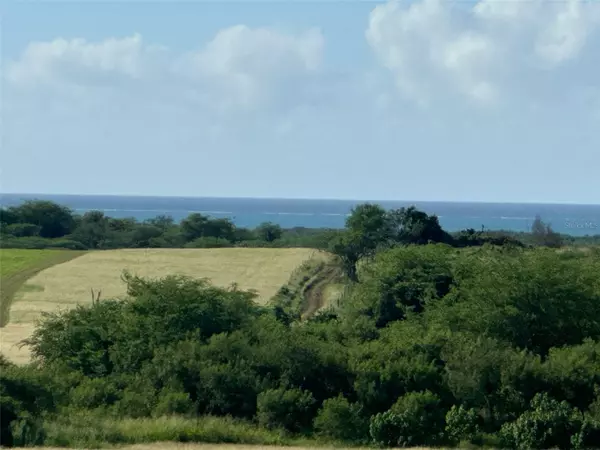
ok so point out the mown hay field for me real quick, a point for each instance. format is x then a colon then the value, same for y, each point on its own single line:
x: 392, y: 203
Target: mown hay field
x: 65, y: 285
x: 18, y: 265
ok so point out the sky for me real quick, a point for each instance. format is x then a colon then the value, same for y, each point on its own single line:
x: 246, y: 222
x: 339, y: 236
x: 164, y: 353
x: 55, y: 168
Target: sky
x: 439, y: 100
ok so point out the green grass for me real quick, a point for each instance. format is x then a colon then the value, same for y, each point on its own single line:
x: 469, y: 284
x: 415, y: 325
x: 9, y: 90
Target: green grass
x: 92, y: 430
x: 18, y: 265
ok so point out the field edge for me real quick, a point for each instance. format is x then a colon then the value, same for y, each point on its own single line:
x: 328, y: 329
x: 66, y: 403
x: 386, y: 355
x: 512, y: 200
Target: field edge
x: 10, y: 285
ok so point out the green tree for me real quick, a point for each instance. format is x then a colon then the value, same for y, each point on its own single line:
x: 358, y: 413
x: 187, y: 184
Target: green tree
x: 193, y: 226
x: 142, y: 235
x: 54, y: 220
x: 371, y: 223
x: 415, y: 419
x: 22, y: 230
x: 350, y: 248
x: 268, y: 231
x: 532, y: 300
x: 92, y: 230
x: 341, y: 420
x: 291, y: 409
x: 411, y: 226
x: 400, y: 281
x: 162, y: 221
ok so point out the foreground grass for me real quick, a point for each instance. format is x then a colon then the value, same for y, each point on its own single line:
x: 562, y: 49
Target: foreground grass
x: 17, y: 266
x: 95, y: 431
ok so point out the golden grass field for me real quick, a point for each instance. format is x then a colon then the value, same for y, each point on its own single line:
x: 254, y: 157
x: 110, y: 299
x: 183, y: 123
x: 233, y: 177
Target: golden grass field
x: 16, y: 266
x: 65, y: 285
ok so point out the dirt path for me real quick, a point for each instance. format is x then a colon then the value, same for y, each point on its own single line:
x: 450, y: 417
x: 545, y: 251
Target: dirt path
x: 314, y: 292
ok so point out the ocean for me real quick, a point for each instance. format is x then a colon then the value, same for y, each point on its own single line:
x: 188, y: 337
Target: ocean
x: 576, y: 220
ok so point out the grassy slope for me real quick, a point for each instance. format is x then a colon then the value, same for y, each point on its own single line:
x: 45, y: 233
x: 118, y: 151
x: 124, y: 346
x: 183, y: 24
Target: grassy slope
x: 314, y: 285
x: 17, y: 266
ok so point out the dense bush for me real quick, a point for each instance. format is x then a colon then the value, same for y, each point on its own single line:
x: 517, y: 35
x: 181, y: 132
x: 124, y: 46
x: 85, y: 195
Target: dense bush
x: 462, y: 424
x: 290, y: 409
x: 415, y: 419
x: 341, y: 420
x: 548, y: 424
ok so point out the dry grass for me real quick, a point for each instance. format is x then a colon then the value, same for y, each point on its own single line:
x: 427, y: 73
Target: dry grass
x: 65, y: 285
x: 17, y: 265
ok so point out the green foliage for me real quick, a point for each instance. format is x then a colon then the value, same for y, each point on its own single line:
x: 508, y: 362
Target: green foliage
x: 462, y: 424
x: 92, y: 229
x: 411, y: 226
x: 23, y: 397
x: 80, y: 338
x: 35, y: 242
x: 95, y: 393
x: 415, y: 419
x: 19, y: 230
x: 268, y: 231
x: 548, y: 424
x: 531, y: 300
x: 431, y: 344
x: 341, y: 420
x: 290, y: 409
x: 52, y: 219
x: 401, y: 281
x: 172, y: 402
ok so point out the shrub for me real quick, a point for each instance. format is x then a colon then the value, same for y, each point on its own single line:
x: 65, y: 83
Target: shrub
x: 22, y: 230
x: 290, y: 409
x: 95, y: 392
x: 171, y: 402
x: 208, y: 242
x: 341, y: 420
x: 548, y: 424
x: 23, y: 397
x: 136, y: 401
x: 462, y: 423
x: 415, y: 419
x: 68, y: 244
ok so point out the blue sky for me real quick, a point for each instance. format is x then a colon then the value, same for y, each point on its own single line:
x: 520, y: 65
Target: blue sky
x: 425, y: 100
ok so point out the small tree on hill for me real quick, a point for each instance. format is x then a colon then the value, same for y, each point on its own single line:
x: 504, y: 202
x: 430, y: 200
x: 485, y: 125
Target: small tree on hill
x: 544, y: 235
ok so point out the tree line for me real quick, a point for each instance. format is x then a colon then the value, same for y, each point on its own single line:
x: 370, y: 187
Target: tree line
x: 45, y: 224
x: 42, y: 224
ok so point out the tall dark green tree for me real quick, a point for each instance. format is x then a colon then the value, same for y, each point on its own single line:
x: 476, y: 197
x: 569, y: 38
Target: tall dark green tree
x: 53, y: 219
x: 411, y: 226
x: 268, y: 231
x: 193, y: 226
x: 92, y: 230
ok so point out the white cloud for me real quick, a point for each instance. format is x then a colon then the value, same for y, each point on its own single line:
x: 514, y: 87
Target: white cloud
x: 240, y: 67
x: 437, y: 49
x: 78, y: 61
x: 251, y: 66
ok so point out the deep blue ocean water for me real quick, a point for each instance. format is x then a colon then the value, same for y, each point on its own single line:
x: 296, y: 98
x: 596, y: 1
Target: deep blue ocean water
x: 578, y: 220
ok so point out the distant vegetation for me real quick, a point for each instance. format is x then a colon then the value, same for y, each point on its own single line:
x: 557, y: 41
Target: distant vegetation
x: 41, y: 224
x: 45, y: 224
x: 473, y: 338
